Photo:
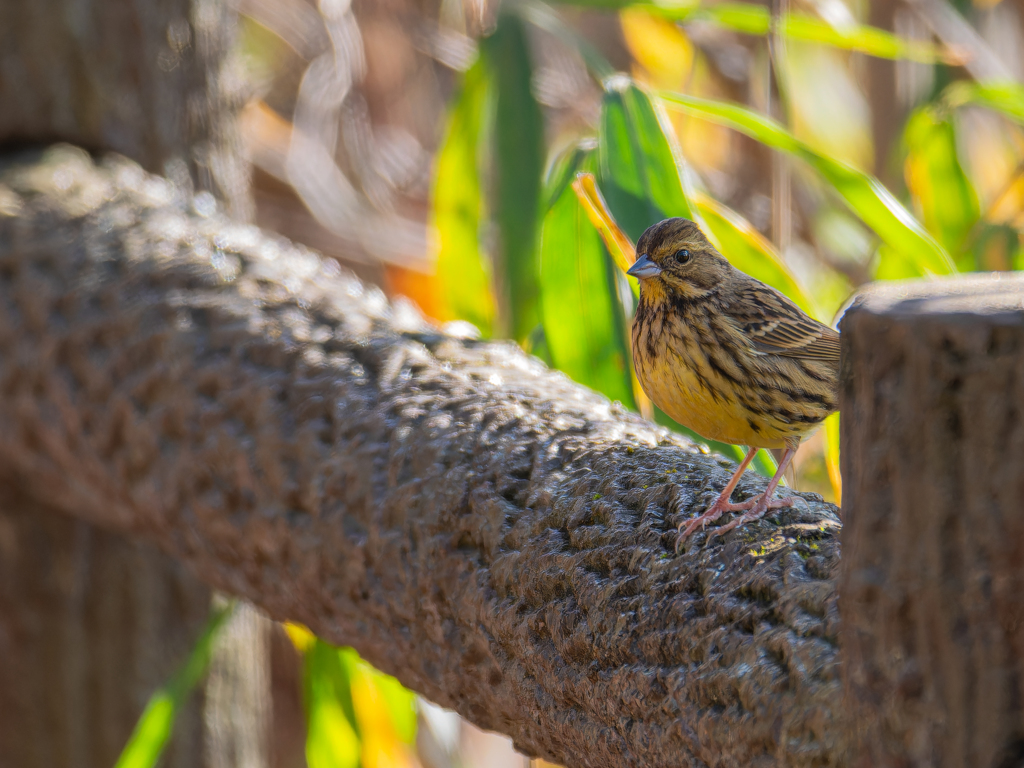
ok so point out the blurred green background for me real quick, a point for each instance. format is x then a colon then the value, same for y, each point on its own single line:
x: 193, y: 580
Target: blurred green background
x: 431, y: 147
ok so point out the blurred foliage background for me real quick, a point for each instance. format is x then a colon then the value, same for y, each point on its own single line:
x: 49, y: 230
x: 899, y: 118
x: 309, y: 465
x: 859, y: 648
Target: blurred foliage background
x: 432, y: 146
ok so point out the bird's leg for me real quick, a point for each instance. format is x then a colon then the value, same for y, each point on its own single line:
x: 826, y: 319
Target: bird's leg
x: 763, y: 502
x: 721, y: 505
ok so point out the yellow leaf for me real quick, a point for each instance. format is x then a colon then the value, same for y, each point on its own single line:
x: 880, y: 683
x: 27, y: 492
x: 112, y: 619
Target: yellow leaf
x: 330, y: 740
x: 386, y: 753
x: 619, y: 245
x: 832, y: 455
x: 659, y: 46
x: 301, y: 637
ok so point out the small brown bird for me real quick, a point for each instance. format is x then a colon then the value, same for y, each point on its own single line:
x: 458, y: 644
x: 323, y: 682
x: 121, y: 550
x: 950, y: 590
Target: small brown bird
x: 729, y: 357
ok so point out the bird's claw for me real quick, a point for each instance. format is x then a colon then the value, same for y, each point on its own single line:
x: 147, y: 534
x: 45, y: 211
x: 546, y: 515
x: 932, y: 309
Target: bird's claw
x: 754, y: 514
x: 753, y: 509
x: 712, y: 513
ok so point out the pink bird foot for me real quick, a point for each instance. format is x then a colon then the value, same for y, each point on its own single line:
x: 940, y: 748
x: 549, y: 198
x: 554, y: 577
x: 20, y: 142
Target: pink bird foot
x: 753, y: 508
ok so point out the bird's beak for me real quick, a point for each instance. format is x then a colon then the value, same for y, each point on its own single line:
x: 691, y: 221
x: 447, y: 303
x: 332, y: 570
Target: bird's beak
x: 643, y: 268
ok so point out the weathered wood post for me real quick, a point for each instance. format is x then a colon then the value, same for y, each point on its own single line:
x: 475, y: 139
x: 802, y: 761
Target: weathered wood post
x: 932, y: 584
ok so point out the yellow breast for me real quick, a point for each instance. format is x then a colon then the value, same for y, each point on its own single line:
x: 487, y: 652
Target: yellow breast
x: 675, y: 388
x: 687, y: 374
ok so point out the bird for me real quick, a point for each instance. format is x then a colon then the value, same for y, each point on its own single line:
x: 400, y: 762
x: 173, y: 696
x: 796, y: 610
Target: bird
x: 729, y: 357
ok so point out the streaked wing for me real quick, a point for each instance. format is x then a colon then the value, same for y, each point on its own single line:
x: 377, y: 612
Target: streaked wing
x: 776, y: 325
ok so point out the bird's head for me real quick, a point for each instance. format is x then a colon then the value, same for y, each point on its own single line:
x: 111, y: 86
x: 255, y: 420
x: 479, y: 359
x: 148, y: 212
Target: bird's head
x: 675, y: 256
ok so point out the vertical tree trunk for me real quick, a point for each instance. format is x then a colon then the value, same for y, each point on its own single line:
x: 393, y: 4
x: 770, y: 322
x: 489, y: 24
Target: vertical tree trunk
x: 886, y: 117
x: 932, y: 586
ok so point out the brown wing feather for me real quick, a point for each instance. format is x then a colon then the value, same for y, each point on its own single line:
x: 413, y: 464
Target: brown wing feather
x: 776, y: 325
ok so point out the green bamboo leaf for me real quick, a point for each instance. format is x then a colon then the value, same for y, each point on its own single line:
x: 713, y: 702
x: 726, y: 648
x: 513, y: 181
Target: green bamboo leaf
x: 940, y: 186
x: 1006, y: 98
x: 739, y: 17
x: 638, y: 160
x: 865, y: 39
x: 331, y: 742
x: 890, y: 264
x: 751, y: 19
x: 763, y: 462
x: 520, y: 154
x: 400, y: 702
x: 462, y: 269
x: 334, y: 737
x: 864, y: 194
x: 332, y: 729
x: 583, y: 322
x: 154, y: 728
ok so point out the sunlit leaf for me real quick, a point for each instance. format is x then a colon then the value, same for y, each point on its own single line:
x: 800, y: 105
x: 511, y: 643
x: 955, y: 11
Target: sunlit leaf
x: 1006, y: 98
x: 154, y: 728
x: 864, y: 194
x: 623, y: 254
x: 891, y: 264
x: 1017, y: 254
x: 565, y: 172
x: 583, y: 322
x: 357, y: 717
x: 638, y: 160
x: 537, y: 345
x: 752, y: 19
x: 763, y: 462
x: 300, y: 636
x: 399, y: 703
x: 422, y: 288
x: 938, y: 183
x: 262, y: 52
x: 747, y: 18
x: 658, y: 45
x: 865, y: 39
x: 463, y: 272
x: 327, y: 676
x: 519, y: 155
x: 331, y: 741
x: 831, y: 428
x: 621, y: 248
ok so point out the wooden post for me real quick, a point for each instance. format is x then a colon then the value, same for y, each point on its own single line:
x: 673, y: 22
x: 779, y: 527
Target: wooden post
x: 92, y: 622
x: 932, y: 582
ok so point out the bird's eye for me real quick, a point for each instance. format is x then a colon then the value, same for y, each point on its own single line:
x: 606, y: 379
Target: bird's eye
x: 682, y: 256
